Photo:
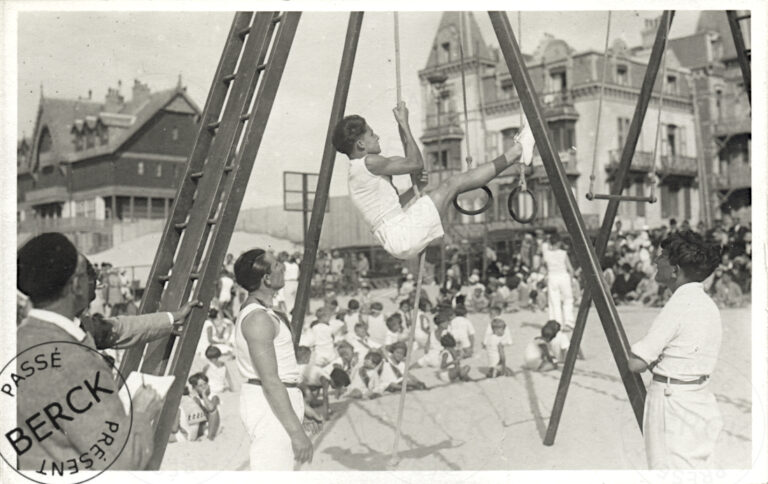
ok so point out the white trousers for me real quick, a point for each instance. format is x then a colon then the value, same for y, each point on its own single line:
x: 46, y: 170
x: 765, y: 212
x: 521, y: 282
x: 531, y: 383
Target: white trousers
x: 560, y: 296
x: 271, y: 448
x: 680, y: 429
x: 289, y: 290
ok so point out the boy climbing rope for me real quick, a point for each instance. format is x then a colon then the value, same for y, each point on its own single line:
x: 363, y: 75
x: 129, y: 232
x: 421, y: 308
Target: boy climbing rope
x: 404, y: 232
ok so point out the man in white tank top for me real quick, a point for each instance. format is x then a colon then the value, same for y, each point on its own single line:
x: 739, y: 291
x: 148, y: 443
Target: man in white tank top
x: 271, y: 404
x: 404, y: 232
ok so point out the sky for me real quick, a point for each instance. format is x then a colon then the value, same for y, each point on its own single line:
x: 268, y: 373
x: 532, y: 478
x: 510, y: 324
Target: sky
x: 69, y: 53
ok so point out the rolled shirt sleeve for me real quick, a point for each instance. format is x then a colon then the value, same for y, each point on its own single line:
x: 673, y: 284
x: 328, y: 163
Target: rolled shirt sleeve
x: 662, y: 331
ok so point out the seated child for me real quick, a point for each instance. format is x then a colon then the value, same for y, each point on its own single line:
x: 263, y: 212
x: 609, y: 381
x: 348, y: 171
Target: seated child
x: 352, y: 317
x: 377, y: 326
x: 209, y: 402
x: 463, y: 332
x: 494, y: 345
x: 394, y: 370
x: 343, y: 366
x: 395, y: 330
x: 538, y: 353
x: 190, y: 419
x: 405, y: 232
x: 423, y: 326
x: 217, y: 372
x: 405, y: 310
x: 361, y: 343
x: 478, y: 302
x: 366, y: 381
x: 450, y: 361
x: 432, y: 347
x: 312, y: 379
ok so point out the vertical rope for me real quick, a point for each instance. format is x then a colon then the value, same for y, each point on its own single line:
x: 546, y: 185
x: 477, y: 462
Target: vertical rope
x: 464, y: 88
x: 414, y: 321
x: 600, y: 106
x: 654, y: 176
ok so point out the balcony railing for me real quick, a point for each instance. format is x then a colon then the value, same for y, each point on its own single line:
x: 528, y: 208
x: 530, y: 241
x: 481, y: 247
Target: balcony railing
x: 446, y: 119
x: 679, y: 165
x: 567, y: 157
x: 732, y: 179
x: 641, y: 161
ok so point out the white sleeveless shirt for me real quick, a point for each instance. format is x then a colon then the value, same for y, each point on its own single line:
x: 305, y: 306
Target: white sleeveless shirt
x: 373, y: 195
x: 287, y: 368
x: 555, y: 260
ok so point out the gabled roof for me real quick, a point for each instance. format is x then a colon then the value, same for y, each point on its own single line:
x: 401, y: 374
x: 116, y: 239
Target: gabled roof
x: 717, y: 21
x: 61, y: 116
x: 692, y: 50
x: 474, y: 44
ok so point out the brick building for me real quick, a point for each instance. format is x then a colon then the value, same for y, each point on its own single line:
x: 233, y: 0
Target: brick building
x: 724, y: 112
x: 569, y: 85
x: 90, y: 164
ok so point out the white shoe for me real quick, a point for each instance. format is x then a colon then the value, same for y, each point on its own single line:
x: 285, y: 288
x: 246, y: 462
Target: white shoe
x: 525, y: 138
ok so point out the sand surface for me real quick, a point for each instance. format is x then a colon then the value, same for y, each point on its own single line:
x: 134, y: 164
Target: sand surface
x: 499, y: 424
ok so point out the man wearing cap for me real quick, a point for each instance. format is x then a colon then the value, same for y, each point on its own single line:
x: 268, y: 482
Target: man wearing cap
x: 271, y: 403
x: 61, y: 283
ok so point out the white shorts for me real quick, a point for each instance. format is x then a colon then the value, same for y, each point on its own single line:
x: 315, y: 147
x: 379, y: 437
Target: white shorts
x: 408, y: 233
x: 271, y: 448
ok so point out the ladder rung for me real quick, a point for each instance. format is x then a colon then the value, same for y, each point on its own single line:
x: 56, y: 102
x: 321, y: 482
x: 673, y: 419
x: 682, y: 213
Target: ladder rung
x: 743, y: 17
x: 229, y: 78
x: 261, y: 67
x: 625, y: 198
x: 212, y: 221
x: 245, y: 117
x: 194, y: 276
x: 196, y: 175
x: 214, y: 126
x: 244, y: 32
x: 164, y: 278
x: 277, y: 18
x: 228, y: 168
x: 180, y: 226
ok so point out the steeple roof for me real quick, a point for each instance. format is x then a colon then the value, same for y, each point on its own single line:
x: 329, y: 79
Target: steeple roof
x: 474, y: 44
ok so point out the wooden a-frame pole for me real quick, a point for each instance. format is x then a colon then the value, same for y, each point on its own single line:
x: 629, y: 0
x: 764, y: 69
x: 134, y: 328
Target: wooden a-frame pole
x: 646, y: 92
x: 574, y: 222
x: 312, y: 240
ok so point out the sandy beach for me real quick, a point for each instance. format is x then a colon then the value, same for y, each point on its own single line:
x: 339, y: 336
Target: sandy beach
x: 499, y: 424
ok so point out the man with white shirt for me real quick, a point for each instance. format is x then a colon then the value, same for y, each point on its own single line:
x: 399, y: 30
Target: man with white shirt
x: 681, y: 420
x: 291, y: 280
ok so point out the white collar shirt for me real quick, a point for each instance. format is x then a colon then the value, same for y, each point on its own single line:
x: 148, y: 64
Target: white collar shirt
x: 685, y: 337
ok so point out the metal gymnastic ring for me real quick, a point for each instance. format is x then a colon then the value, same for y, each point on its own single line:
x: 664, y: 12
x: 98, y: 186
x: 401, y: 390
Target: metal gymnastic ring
x: 481, y: 209
x: 515, y: 192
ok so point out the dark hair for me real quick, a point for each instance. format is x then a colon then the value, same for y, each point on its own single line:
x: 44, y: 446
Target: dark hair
x: 550, y: 330
x: 339, y: 378
x: 394, y: 317
x: 347, y: 132
x: 447, y: 340
x: 44, y: 266
x: 213, y: 312
x: 423, y: 304
x: 196, y: 378
x: 554, y: 238
x: 250, y: 269
x: 361, y: 325
x: 626, y: 267
x: 398, y: 345
x: 495, y: 308
x: 460, y: 310
x: 405, y: 301
x: 377, y: 306
x: 212, y: 352
x: 303, y: 351
x: 374, y: 356
x: 353, y: 304
x: 695, y: 256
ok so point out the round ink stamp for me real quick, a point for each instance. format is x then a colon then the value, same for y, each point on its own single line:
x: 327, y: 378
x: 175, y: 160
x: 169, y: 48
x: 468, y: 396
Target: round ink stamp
x: 71, y: 422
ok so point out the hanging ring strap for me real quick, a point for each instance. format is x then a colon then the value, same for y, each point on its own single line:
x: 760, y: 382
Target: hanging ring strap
x: 521, y: 188
x: 489, y: 201
x: 590, y: 193
x: 654, y: 176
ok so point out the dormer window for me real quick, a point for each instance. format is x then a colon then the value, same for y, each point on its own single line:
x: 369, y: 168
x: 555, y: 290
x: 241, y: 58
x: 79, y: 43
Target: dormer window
x: 175, y: 134
x: 671, y: 84
x: 446, y: 51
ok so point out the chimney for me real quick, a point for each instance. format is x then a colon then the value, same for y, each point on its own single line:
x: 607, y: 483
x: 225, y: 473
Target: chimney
x: 649, y: 32
x: 114, y: 101
x: 140, y: 92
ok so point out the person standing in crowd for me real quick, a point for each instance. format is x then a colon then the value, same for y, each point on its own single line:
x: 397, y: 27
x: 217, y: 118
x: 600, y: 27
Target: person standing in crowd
x: 682, y: 420
x: 559, y: 287
x: 291, y: 280
x: 271, y: 403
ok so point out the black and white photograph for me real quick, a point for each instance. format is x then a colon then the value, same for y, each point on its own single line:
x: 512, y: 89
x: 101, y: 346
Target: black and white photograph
x: 301, y: 237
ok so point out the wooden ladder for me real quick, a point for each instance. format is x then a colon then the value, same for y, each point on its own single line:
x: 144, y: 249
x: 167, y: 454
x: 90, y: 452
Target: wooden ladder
x: 197, y: 234
x: 744, y: 54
